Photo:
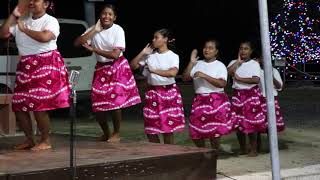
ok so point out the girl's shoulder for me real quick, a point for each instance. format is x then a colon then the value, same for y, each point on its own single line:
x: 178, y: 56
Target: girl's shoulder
x: 220, y: 63
x: 173, y: 54
x: 117, y: 27
x: 232, y: 62
x: 50, y: 19
x: 253, y: 61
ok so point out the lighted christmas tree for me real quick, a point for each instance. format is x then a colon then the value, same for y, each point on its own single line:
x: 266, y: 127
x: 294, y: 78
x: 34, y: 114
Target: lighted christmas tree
x: 295, y: 33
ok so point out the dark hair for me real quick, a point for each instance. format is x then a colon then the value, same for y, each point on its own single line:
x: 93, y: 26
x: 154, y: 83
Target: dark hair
x: 110, y: 6
x: 250, y: 43
x: 216, y: 42
x: 167, y: 34
x: 51, y: 7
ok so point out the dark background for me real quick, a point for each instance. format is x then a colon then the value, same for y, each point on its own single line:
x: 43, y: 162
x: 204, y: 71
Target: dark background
x: 191, y: 22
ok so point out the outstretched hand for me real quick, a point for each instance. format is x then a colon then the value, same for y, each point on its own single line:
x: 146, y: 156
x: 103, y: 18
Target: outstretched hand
x: 147, y: 50
x: 98, y: 27
x: 16, y: 12
x: 194, y: 56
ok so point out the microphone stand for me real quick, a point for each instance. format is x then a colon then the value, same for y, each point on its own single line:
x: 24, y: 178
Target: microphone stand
x: 73, y: 80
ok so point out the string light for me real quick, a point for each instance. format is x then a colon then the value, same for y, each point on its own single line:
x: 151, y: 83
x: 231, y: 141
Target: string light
x: 294, y: 35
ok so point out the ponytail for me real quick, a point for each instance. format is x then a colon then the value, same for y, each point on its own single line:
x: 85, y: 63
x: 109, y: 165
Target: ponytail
x: 51, y: 7
x: 171, y: 40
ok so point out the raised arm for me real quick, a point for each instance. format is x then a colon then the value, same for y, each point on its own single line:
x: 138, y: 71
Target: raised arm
x: 193, y: 59
x: 134, y: 64
x: 11, y: 20
x: 232, y: 69
x: 88, y: 35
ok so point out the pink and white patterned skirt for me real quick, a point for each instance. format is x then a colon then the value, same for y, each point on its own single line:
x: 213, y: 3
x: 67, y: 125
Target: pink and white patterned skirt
x: 279, y: 118
x: 163, y: 111
x: 41, y: 83
x: 114, y: 86
x: 210, y: 116
x: 247, y: 109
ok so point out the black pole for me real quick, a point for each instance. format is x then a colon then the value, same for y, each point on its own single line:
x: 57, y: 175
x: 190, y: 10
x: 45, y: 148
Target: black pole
x: 72, y: 134
x: 73, y: 79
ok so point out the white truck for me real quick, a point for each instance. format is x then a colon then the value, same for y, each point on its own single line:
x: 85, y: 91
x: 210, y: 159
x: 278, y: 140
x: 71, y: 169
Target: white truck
x: 75, y: 58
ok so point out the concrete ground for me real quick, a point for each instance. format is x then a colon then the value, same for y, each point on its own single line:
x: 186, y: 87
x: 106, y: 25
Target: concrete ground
x: 301, y: 158
x: 303, y: 173
x: 299, y: 144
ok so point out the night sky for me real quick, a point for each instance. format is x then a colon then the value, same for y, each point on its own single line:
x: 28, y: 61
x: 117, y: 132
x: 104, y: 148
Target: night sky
x: 191, y: 22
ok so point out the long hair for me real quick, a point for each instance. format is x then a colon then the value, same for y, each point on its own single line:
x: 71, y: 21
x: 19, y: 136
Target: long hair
x: 51, y: 6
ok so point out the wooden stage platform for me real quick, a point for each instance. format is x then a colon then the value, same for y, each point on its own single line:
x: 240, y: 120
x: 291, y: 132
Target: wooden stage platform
x: 101, y: 161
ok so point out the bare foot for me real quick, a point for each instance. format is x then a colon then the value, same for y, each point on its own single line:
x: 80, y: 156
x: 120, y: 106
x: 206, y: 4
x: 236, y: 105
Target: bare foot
x: 252, y: 153
x: 41, y: 146
x: 243, y: 152
x: 259, y: 149
x: 115, y: 138
x: 25, y: 145
x: 102, y: 138
x: 285, y: 146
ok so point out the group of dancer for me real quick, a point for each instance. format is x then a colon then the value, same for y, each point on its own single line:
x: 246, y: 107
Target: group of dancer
x: 42, y: 85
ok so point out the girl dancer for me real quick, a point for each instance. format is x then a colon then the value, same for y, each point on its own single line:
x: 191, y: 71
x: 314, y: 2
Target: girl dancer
x: 277, y: 86
x: 210, y: 114
x: 113, y: 86
x: 41, y: 81
x: 163, y: 110
x: 246, y: 104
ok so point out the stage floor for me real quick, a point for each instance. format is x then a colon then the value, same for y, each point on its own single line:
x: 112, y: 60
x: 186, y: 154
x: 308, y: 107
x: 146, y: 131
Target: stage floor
x: 101, y: 160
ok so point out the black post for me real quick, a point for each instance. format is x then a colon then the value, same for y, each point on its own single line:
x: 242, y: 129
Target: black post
x: 72, y: 135
x: 73, y: 80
